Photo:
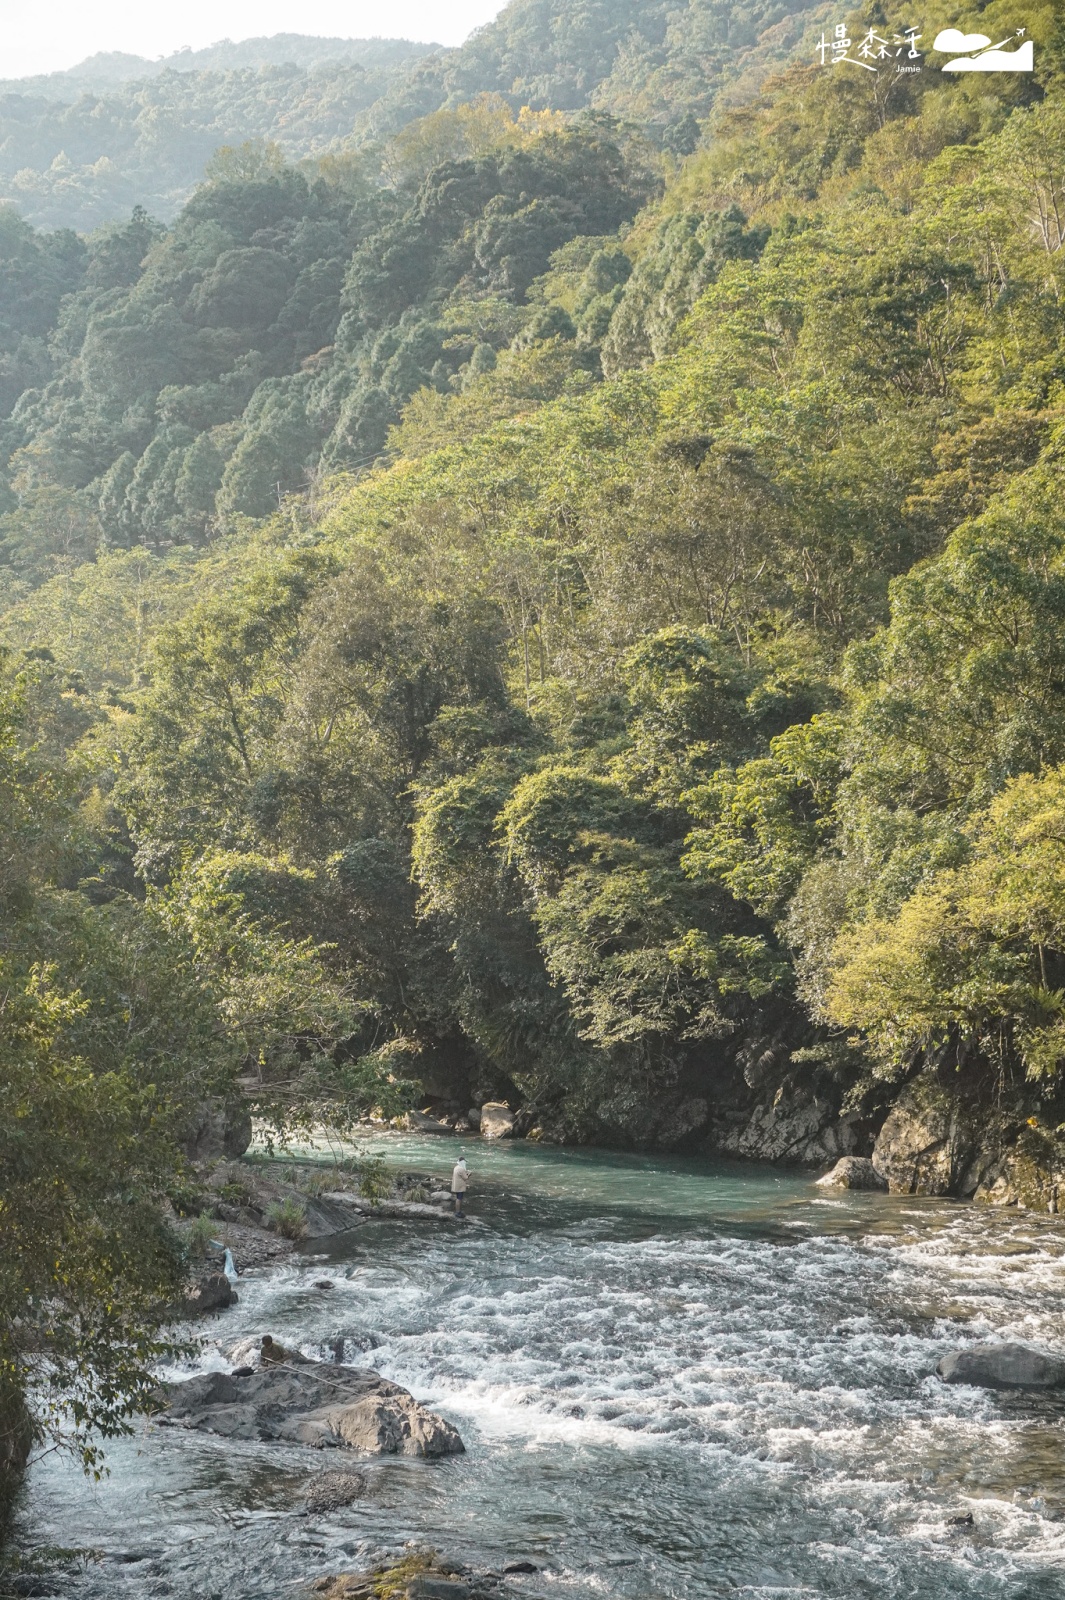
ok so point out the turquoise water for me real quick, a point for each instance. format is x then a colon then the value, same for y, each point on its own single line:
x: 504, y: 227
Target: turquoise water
x: 673, y: 1379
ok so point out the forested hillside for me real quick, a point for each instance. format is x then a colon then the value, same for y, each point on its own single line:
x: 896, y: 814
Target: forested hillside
x: 83, y: 148
x: 81, y: 156
x: 567, y: 624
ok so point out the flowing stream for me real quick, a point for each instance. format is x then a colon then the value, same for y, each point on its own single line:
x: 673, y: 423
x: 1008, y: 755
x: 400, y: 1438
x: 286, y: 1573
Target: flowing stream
x: 673, y: 1378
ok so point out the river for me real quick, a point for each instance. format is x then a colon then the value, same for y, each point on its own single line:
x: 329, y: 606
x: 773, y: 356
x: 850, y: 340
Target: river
x: 673, y: 1378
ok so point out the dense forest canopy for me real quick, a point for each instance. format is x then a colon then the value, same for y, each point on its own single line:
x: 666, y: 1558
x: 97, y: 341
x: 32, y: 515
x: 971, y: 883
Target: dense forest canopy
x: 534, y: 611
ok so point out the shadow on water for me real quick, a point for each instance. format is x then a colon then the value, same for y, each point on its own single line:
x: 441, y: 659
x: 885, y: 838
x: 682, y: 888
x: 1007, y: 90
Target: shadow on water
x: 673, y: 1377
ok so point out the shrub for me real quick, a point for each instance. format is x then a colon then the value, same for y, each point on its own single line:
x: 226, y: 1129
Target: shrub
x: 375, y: 1184
x: 198, y: 1239
x: 287, y: 1217
x: 314, y: 1181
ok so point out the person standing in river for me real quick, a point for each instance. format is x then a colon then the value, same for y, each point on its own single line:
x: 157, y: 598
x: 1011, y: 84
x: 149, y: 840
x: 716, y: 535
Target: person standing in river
x: 460, y: 1182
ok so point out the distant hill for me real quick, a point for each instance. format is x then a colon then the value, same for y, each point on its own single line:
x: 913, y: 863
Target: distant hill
x: 84, y: 147
x: 108, y: 69
x: 77, y: 159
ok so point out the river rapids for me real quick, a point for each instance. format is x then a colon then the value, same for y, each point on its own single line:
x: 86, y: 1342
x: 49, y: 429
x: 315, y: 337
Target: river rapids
x: 673, y: 1378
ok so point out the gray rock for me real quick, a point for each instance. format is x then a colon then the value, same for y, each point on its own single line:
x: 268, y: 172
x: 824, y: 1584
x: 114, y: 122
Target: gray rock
x: 318, y: 1405
x: 853, y: 1172
x: 792, y: 1128
x: 679, y: 1122
x: 497, y: 1120
x: 428, y: 1586
x: 927, y: 1142
x: 384, y: 1208
x: 421, y: 1122
x: 331, y: 1490
x: 1003, y: 1366
x: 324, y: 1217
x: 213, y: 1292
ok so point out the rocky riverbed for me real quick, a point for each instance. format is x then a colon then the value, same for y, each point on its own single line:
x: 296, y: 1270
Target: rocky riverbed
x: 670, y: 1377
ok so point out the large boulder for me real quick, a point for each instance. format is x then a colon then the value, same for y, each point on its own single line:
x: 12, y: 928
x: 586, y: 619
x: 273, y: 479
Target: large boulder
x: 219, y: 1130
x: 324, y: 1216
x: 422, y: 1122
x: 318, y: 1405
x: 212, y: 1292
x: 497, y: 1120
x: 421, y: 1576
x: 928, y: 1141
x: 853, y: 1172
x: 1003, y: 1366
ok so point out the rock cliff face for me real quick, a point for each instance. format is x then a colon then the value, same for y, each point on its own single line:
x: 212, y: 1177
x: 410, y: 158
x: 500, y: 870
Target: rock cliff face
x: 927, y: 1144
x: 805, y: 1130
x: 946, y: 1138
x: 941, y: 1133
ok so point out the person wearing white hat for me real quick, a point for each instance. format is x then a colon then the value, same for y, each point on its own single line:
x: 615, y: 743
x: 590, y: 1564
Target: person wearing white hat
x: 460, y: 1182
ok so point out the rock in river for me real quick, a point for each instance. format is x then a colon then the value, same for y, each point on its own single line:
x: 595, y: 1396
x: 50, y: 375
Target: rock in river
x: 418, y: 1576
x: 213, y: 1292
x: 330, y: 1491
x: 1003, y: 1366
x: 497, y: 1120
x: 317, y: 1405
x: 853, y: 1172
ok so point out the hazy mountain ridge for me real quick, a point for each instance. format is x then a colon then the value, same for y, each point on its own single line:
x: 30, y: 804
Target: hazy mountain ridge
x: 108, y: 69
x: 147, y: 143
x: 76, y: 151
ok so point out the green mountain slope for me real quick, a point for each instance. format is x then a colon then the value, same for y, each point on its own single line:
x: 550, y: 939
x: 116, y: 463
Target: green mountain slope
x: 602, y: 611
x: 517, y: 610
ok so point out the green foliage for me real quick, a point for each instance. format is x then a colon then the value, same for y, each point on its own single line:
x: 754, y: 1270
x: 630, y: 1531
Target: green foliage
x: 375, y: 1184
x: 199, y: 1236
x: 287, y: 1217
x: 647, y: 658
x: 768, y: 818
x: 976, y: 953
x: 683, y: 258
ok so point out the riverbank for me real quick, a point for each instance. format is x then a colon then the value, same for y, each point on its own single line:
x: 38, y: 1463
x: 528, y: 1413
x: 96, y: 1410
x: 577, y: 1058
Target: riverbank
x: 261, y: 1208
x: 936, y: 1130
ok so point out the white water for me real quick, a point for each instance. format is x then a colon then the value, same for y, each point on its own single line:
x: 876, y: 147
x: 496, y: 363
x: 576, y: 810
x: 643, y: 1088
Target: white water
x: 672, y: 1380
